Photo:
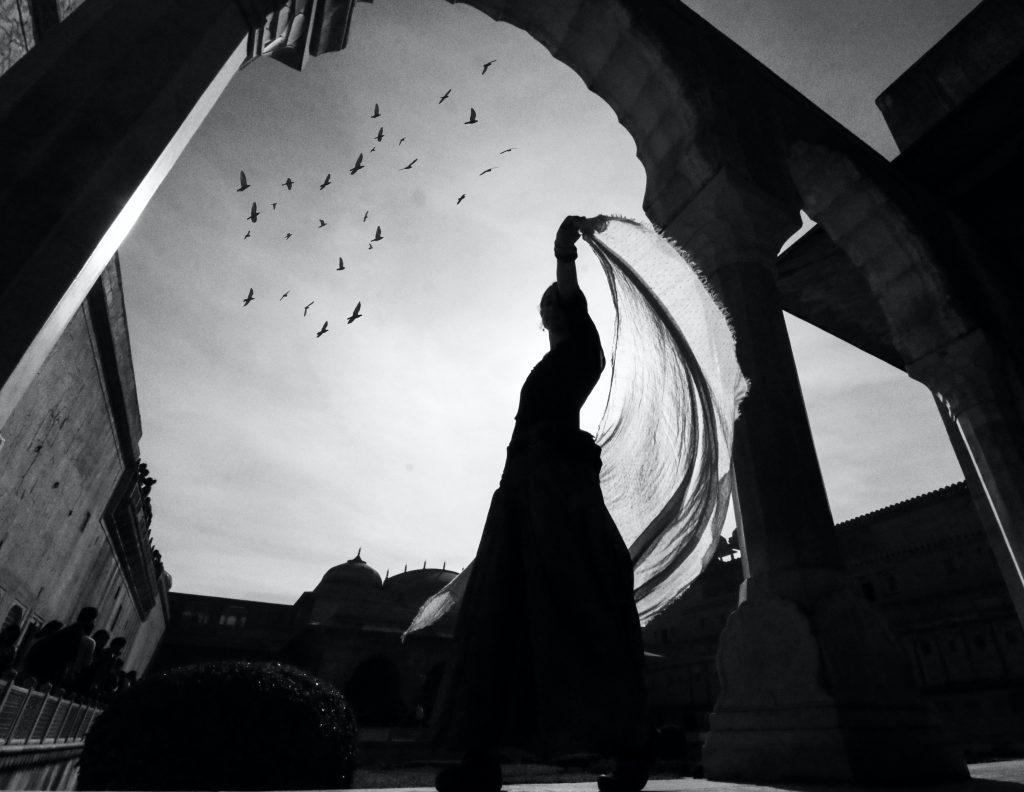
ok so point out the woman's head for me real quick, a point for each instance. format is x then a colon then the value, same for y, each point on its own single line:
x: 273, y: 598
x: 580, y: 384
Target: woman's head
x: 552, y: 315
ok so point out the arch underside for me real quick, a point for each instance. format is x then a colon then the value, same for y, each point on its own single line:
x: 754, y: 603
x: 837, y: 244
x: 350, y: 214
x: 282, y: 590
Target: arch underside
x: 695, y: 103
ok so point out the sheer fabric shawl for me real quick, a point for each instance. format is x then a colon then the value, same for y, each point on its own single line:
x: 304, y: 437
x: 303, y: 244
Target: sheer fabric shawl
x: 666, y: 431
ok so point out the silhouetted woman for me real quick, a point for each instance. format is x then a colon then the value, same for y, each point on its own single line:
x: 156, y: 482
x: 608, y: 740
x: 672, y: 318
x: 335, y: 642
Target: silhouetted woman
x: 548, y: 654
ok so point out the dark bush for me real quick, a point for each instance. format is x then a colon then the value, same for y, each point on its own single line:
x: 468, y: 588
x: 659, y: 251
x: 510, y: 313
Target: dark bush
x: 223, y: 726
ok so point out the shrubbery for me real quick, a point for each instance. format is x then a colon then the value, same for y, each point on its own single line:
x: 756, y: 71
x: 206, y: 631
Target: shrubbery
x: 225, y: 726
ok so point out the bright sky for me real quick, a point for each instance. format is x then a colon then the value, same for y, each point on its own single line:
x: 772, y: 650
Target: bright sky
x: 279, y: 454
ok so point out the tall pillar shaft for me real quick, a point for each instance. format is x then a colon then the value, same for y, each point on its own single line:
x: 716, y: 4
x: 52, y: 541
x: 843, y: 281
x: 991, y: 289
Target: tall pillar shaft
x: 813, y: 685
x: 974, y: 386
x: 780, y: 494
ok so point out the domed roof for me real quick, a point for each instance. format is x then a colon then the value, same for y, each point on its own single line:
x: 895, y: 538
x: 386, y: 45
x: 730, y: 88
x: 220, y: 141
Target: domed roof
x: 354, y: 572
x: 418, y: 584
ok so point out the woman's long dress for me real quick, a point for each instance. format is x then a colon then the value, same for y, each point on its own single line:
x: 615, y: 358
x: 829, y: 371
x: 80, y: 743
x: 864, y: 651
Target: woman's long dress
x: 548, y: 654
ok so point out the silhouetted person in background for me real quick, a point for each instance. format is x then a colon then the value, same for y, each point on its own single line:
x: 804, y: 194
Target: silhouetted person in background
x: 126, y: 679
x: 548, y: 653
x: 82, y: 662
x: 52, y: 658
x: 106, y: 667
x: 33, y: 641
x: 85, y: 683
x: 8, y: 645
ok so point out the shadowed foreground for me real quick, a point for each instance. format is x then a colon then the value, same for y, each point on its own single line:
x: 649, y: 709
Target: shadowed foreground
x: 1006, y: 776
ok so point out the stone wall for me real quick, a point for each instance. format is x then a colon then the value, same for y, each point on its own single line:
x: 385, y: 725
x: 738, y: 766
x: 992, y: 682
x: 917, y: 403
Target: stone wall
x: 70, y: 452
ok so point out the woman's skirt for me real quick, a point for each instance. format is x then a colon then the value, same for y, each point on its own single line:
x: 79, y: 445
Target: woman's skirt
x: 548, y: 655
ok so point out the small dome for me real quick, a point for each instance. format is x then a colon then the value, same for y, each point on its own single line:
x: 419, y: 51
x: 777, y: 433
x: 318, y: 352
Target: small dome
x: 354, y: 572
x: 417, y: 585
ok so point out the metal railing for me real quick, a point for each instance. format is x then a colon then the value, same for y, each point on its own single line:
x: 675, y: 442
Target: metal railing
x: 31, y: 715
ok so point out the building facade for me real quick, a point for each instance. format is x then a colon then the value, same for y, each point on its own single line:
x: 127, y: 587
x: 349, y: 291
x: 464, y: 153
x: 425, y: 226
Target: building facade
x: 346, y: 630
x: 928, y: 569
x: 74, y: 507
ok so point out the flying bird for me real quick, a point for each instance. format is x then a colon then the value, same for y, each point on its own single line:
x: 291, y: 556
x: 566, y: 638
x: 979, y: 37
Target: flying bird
x: 288, y: 183
x: 380, y: 135
x: 247, y: 234
x: 248, y: 299
x: 322, y: 330
x: 401, y: 141
x: 487, y: 66
x: 307, y: 307
x: 326, y: 181
x: 274, y: 206
x: 341, y: 264
x: 253, y: 214
x: 322, y: 223
x: 284, y: 295
x: 461, y: 199
x: 377, y: 237
x: 446, y: 95
x: 244, y: 183
x: 486, y: 171
x: 371, y: 246
x: 472, y: 117
x: 365, y: 215
x: 372, y: 149
x: 358, y: 166
x: 407, y: 167
x: 355, y: 313
x: 506, y: 151
x: 376, y: 111
x: 288, y: 235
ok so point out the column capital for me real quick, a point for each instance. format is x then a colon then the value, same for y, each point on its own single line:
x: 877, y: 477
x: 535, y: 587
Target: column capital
x: 965, y: 372
x: 731, y: 221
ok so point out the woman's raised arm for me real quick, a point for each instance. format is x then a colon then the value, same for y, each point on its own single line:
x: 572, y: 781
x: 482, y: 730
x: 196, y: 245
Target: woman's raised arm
x: 565, y: 258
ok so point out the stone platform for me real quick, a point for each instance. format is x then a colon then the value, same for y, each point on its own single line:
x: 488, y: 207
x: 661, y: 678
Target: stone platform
x: 1005, y: 776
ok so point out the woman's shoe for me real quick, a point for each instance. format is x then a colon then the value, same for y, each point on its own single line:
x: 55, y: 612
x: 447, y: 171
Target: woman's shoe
x: 470, y: 777
x: 629, y: 775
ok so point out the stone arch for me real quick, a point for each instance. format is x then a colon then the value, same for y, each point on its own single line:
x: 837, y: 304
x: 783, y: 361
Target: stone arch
x: 713, y: 130
x: 431, y: 687
x: 691, y: 99
x: 375, y: 692
x: 14, y: 616
x: 896, y: 259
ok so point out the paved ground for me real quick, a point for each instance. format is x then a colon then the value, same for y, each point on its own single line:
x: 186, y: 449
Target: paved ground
x: 989, y: 777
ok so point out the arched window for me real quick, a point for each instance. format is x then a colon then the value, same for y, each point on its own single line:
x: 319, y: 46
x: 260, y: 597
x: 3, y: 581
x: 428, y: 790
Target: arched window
x: 374, y: 692
x: 14, y: 616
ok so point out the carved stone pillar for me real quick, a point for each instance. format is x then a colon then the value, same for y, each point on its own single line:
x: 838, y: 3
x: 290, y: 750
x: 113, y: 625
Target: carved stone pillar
x: 973, y: 384
x: 813, y: 685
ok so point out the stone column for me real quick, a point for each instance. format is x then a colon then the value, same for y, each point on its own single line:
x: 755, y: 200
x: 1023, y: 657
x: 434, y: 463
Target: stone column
x: 902, y: 260
x: 974, y: 387
x: 91, y: 120
x: 813, y: 685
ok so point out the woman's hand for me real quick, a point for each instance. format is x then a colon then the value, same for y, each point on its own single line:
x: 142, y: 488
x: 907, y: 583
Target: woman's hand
x: 565, y: 239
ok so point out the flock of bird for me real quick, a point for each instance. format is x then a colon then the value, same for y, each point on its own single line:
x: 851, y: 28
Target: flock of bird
x: 378, y: 236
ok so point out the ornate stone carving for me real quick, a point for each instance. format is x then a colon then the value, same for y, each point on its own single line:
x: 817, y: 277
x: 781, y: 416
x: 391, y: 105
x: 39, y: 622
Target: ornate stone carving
x: 291, y: 30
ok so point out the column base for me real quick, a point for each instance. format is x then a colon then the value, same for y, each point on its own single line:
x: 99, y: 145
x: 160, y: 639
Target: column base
x: 828, y: 744
x: 821, y: 693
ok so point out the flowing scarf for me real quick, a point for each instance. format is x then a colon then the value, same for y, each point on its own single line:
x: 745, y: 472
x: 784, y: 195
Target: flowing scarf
x: 666, y: 431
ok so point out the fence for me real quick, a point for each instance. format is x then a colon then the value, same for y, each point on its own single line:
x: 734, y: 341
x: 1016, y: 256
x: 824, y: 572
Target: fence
x: 41, y: 716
